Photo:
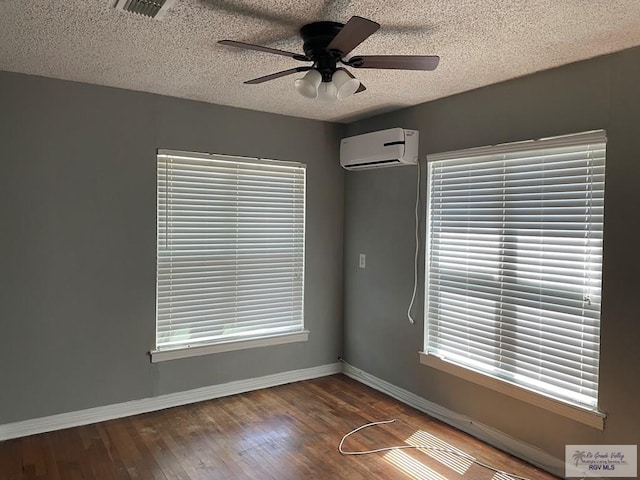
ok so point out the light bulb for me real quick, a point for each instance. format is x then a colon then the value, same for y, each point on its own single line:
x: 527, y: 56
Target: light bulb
x: 345, y: 84
x: 307, y: 86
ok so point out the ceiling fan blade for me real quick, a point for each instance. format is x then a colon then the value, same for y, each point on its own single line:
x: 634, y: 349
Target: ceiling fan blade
x: 273, y: 76
x: 399, y: 62
x: 355, y: 31
x: 260, y: 48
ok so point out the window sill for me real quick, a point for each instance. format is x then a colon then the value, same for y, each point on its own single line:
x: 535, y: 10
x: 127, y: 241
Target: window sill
x: 592, y: 418
x: 164, y: 355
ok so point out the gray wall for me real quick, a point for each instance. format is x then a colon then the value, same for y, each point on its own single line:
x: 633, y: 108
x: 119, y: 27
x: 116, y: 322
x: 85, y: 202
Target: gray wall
x: 599, y: 93
x: 77, y: 203
x: 77, y: 200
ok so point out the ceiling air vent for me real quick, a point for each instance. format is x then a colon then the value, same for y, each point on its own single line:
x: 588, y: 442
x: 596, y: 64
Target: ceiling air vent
x: 147, y: 8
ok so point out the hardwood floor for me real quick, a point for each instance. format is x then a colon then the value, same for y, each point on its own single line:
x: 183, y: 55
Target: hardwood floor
x: 287, y: 432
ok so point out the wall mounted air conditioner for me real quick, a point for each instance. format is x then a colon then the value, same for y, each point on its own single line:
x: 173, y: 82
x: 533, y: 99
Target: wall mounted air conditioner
x: 386, y: 148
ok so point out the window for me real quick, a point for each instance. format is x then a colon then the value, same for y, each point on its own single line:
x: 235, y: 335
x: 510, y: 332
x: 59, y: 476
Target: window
x: 230, y: 253
x: 514, y: 261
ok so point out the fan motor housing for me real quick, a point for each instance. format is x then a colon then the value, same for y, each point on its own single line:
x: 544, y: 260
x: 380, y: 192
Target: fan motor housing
x: 316, y: 37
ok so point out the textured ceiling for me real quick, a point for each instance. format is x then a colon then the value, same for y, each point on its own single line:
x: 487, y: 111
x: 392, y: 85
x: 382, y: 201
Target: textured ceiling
x: 480, y: 42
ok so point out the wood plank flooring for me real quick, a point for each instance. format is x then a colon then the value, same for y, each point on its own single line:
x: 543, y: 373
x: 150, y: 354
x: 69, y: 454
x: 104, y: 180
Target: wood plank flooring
x: 287, y: 432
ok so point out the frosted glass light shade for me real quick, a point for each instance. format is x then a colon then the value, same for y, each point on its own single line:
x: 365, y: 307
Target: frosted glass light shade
x: 345, y: 85
x: 327, y: 92
x: 307, y: 86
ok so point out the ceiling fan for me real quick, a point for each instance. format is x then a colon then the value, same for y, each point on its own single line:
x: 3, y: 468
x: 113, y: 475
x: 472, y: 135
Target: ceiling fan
x: 327, y: 45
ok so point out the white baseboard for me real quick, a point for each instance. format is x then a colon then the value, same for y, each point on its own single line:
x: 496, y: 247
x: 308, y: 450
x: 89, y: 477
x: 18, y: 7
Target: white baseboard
x: 490, y: 435
x: 136, y: 407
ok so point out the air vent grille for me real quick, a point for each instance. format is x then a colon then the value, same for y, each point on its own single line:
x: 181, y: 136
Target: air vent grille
x: 147, y: 8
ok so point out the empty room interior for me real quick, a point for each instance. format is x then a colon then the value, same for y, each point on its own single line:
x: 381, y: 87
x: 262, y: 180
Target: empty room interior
x: 319, y: 239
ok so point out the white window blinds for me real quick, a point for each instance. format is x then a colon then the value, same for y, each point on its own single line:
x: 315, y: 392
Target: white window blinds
x: 230, y: 250
x: 514, y: 261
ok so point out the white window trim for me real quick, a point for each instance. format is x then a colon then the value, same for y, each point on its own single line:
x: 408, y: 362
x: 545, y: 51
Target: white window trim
x: 591, y: 418
x: 164, y: 355
x: 246, y: 342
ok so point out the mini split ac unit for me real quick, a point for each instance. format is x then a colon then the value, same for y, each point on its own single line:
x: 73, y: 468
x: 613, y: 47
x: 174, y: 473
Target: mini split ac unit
x: 386, y: 148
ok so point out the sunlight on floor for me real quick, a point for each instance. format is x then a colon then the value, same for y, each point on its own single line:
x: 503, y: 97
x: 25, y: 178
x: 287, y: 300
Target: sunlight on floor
x: 412, y: 467
x: 455, y: 462
x: 434, y: 449
x: 501, y: 476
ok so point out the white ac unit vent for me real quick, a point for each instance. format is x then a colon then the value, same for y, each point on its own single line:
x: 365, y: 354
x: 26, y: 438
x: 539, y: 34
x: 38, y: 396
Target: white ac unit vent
x: 147, y: 8
x: 386, y: 148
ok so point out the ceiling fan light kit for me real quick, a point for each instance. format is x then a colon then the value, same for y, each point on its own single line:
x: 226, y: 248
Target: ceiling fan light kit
x: 327, y: 92
x: 327, y: 44
x: 307, y: 86
x: 345, y: 84
x: 341, y: 86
